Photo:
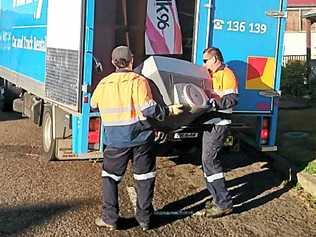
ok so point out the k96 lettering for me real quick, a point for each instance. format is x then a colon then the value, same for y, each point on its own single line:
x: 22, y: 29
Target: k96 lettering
x: 163, y: 13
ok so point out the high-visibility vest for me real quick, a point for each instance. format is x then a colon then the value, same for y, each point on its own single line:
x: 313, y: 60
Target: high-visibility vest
x: 121, y: 97
x: 223, y: 83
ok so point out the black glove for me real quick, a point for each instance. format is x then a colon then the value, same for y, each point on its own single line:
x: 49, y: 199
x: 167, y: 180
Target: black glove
x: 211, y: 103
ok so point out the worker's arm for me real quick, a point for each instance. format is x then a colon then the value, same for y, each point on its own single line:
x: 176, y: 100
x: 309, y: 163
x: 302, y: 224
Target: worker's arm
x: 226, y: 102
x: 149, y: 107
x: 95, y: 97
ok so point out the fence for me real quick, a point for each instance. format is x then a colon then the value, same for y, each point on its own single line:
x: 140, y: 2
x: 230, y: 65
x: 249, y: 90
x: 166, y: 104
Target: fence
x: 291, y: 58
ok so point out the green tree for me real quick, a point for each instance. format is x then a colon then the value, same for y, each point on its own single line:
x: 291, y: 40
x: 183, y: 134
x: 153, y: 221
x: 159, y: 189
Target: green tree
x: 293, y: 79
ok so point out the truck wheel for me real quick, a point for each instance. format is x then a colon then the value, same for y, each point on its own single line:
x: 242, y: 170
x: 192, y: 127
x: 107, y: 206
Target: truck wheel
x: 48, y: 141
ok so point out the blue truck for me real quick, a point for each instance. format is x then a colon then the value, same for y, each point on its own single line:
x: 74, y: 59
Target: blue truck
x: 51, y: 52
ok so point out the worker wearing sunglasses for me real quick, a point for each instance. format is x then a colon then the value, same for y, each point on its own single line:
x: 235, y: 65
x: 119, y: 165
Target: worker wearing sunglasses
x: 223, y: 98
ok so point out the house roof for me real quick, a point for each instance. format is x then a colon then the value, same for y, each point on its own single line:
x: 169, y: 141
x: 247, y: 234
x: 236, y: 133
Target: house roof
x: 311, y: 15
x: 301, y: 3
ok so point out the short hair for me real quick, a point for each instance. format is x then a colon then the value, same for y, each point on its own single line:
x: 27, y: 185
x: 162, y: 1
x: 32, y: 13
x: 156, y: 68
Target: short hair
x: 122, y: 56
x: 214, y: 52
x: 121, y: 63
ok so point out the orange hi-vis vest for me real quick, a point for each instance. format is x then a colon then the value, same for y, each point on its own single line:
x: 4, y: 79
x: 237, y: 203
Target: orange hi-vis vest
x: 224, y: 83
x: 122, y: 98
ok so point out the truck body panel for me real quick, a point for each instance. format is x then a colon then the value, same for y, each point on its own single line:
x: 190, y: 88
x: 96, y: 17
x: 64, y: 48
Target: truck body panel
x: 23, y: 37
x: 41, y: 48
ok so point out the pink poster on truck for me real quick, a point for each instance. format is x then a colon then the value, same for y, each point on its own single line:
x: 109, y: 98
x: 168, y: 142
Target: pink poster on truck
x: 163, y: 32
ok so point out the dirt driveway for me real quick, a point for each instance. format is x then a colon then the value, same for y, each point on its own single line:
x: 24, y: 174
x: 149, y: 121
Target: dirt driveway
x: 39, y: 198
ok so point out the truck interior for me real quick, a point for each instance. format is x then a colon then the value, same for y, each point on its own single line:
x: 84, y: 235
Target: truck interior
x: 122, y: 22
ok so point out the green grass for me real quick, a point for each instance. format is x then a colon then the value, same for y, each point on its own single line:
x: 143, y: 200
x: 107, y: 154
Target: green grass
x: 311, y: 168
x: 299, y: 151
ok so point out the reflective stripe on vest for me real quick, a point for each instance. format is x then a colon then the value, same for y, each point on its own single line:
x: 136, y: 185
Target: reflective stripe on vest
x: 126, y: 109
x: 121, y: 98
x: 150, y: 103
x: 123, y: 122
x: 222, y: 93
x: 226, y: 111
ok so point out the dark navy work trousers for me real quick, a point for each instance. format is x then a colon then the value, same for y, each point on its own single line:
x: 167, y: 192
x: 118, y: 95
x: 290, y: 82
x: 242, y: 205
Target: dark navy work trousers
x: 213, y: 141
x: 144, y: 168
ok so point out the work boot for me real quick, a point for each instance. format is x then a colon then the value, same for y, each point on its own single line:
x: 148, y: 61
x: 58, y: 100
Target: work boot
x: 209, y: 204
x: 144, y: 226
x: 215, y: 211
x: 100, y: 223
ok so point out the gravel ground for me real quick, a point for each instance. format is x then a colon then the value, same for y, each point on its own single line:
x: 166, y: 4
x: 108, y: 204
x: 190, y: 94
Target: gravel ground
x: 40, y: 198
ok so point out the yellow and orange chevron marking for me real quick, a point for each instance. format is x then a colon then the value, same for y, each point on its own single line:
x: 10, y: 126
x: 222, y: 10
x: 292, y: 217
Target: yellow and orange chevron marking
x: 260, y: 73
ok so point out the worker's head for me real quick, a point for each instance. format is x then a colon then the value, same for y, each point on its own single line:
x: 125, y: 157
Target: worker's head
x: 212, y: 58
x: 122, y: 57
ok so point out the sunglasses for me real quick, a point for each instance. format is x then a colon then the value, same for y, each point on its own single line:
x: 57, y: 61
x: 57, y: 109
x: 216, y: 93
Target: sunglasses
x: 205, y: 60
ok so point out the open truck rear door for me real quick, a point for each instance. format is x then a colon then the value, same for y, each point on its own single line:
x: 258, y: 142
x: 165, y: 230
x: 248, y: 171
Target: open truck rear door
x: 250, y: 35
x: 64, y: 59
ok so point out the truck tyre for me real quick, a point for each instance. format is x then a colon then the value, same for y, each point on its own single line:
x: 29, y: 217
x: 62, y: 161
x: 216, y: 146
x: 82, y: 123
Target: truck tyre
x: 48, y: 141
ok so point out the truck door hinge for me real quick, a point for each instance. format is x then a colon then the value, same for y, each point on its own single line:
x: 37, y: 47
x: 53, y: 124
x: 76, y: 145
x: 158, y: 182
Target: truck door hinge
x: 86, y: 89
x: 208, y: 5
x: 277, y: 14
x: 89, y: 38
x: 270, y: 93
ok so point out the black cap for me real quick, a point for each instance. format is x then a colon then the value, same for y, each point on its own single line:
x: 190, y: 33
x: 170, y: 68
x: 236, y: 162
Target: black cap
x: 121, y: 56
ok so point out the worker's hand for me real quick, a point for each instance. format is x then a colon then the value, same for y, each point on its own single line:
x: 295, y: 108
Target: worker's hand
x: 175, y: 109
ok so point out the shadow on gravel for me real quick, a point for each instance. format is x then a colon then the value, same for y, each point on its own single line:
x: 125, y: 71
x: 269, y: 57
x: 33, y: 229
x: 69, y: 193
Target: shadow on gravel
x: 24, y: 149
x: 15, y: 220
x: 248, y: 191
x: 9, y: 116
x: 194, y: 201
x: 181, y: 209
x: 253, y: 190
x: 127, y: 223
x: 193, y: 155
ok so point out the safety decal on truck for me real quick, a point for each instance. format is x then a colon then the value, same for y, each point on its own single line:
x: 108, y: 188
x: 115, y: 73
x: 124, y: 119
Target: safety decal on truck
x: 260, y: 73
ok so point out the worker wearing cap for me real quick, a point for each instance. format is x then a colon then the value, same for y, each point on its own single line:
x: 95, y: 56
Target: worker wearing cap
x: 223, y: 97
x: 125, y: 102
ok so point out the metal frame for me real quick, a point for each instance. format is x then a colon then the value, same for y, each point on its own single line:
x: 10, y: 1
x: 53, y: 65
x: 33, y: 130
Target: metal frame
x: 275, y: 107
x: 31, y: 86
x: 208, y: 29
x: 80, y: 124
x: 195, y: 31
x: 198, y: 28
